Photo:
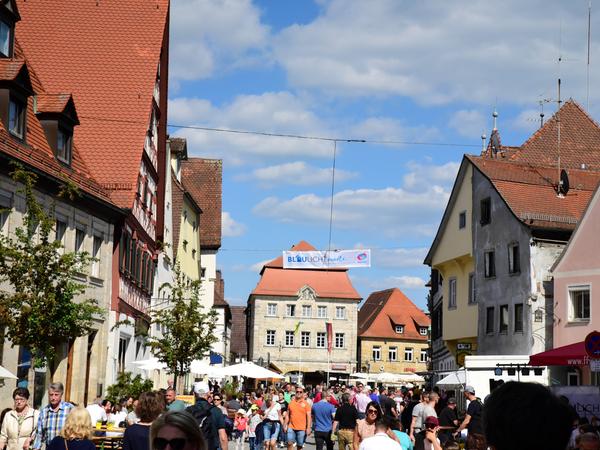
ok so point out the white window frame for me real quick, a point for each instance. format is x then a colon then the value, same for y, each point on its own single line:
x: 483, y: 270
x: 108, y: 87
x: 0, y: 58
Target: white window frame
x: 289, y: 338
x: 452, y: 293
x: 81, y: 247
x: 489, y: 263
x: 305, y: 339
x: 290, y: 310
x: 321, y: 339
x: 340, y: 340
x: 393, y: 354
x: 376, y: 353
x: 270, y: 338
x: 503, y: 327
x: 514, y: 266
x: 322, y: 312
x: 272, y: 309
x: 574, y: 289
x: 342, y: 315
x: 408, y: 354
x: 399, y: 329
x: 423, y: 331
x: 65, y: 224
x: 306, y: 311
x: 6, y: 206
x: 423, y: 356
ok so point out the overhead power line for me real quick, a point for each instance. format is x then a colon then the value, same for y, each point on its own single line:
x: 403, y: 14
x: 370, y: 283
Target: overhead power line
x: 293, y: 136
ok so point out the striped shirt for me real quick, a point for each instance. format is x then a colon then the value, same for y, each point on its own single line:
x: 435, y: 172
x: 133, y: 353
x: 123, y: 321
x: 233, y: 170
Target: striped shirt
x: 51, y: 423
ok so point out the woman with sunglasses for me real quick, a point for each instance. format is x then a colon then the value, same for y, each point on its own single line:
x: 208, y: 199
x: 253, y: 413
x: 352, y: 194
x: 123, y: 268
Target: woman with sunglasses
x: 366, y: 427
x: 178, y: 430
x: 218, y: 403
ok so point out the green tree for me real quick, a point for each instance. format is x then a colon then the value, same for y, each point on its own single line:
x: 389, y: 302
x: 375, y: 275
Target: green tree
x: 127, y: 386
x: 42, y: 310
x: 188, y: 329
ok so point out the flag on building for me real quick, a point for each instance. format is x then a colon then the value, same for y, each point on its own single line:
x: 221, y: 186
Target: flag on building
x: 297, y: 328
x: 329, y: 330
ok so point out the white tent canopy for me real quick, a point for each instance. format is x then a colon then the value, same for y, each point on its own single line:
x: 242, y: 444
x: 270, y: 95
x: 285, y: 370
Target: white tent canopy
x: 457, y: 378
x: 249, y: 370
x: 200, y: 367
x: 149, y: 364
x: 396, y: 378
x: 6, y: 374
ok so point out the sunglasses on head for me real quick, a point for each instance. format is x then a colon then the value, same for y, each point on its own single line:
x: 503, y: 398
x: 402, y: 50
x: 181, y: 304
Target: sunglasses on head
x: 175, y: 444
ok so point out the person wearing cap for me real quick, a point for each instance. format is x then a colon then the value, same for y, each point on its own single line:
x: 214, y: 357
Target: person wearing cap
x: 431, y: 441
x: 253, y: 421
x: 473, y: 421
x: 448, y: 420
x: 239, y: 428
x: 218, y: 436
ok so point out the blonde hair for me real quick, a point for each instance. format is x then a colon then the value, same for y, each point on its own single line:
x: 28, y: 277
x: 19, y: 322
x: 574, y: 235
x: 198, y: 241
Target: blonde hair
x: 78, y: 424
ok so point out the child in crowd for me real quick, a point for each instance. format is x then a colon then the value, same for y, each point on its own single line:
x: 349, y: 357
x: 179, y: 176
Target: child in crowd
x: 239, y: 428
x: 253, y: 421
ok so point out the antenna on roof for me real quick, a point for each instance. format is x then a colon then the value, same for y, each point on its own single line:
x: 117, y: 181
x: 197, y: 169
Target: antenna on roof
x: 541, y: 103
x: 588, y: 55
x: 559, y: 188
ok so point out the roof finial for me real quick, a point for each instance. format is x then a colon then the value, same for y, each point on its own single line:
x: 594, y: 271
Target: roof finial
x: 495, y: 116
x: 483, y: 138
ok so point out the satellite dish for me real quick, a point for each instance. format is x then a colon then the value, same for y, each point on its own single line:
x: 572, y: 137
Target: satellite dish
x: 563, y: 184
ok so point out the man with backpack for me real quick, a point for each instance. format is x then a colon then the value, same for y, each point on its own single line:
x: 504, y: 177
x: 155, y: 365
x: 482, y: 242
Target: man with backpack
x: 210, y: 418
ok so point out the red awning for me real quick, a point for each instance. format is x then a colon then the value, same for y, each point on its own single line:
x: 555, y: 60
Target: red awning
x: 568, y: 355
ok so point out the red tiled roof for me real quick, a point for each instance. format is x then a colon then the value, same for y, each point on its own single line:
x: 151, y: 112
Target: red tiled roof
x: 384, y: 309
x: 10, y: 68
x: 106, y: 53
x: 275, y: 280
x: 529, y: 191
x: 203, y: 179
x: 52, y: 103
x: 36, y: 151
x: 301, y: 246
x: 579, y: 140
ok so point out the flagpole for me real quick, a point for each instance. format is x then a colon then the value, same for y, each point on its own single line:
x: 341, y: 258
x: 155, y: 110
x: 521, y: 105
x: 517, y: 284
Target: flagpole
x: 328, y: 367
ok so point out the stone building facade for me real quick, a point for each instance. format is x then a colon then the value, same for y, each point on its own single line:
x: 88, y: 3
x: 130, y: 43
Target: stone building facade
x: 287, y: 317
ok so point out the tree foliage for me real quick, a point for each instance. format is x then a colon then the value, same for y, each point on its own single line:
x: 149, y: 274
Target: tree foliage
x: 188, y: 329
x: 127, y: 386
x: 42, y: 309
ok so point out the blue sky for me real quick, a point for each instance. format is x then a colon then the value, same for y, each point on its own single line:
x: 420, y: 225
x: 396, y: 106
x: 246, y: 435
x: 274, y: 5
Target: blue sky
x: 381, y: 70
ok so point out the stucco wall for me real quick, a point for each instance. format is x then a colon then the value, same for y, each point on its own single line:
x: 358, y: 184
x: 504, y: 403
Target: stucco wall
x: 385, y: 364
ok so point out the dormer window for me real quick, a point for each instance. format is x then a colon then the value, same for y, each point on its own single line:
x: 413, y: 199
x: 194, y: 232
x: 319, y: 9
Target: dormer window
x: 64, y: 140
x: 6, y: 33
x: 423, y: 331
x: 399, y: 329
x: 16, y: 117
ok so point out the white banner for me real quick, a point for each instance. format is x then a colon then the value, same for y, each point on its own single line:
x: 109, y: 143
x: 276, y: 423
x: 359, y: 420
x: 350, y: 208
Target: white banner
x: 325, y: 259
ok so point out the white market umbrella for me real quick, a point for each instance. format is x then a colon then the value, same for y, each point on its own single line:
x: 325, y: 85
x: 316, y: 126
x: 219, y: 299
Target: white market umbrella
x: 359, y: 375
x: 249, y: 370
x: 410, y: 378
x: 457, y: 378
x: 6, y: 374
x: 200, y: 367
x: 150, y: 364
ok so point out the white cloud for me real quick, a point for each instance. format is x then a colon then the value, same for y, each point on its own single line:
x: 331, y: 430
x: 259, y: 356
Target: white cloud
x: 273, y: 112
x: 411, y: 210
x: 438, y: 52
x: 391, y: 129
x: 528, y: 120
x: 399, y: 257
x: 231, y: 228
x: 295, y: 173
x: 421, y: 176
x: 470, y: 123
x: 257, y: 267
x: 207, y: 35
x: 407, y: 282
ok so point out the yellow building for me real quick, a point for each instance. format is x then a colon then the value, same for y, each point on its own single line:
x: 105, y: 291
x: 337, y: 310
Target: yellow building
x: 451, y: 254
x: 393, y: 334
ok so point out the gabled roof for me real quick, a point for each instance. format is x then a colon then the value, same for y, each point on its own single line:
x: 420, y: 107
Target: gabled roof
x: 448, y: 211
x: 11, y: 68
x: 579, y: 141
x: 326, y: 283
x: 36, y: 151
x: 203, y: 179
x: 106, y: 53
x: 530, y: 192
x: 56, y: 104
x: 383, y: 310
x: 301, y: 246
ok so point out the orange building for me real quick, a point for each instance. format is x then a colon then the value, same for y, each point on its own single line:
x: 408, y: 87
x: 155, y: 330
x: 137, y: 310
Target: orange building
x: 393, y: 334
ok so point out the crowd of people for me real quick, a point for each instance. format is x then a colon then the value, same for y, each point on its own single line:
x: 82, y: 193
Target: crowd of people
x: 515, y: 416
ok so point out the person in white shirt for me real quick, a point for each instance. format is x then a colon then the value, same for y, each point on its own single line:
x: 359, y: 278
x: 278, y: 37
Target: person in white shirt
x: 99, y: 411
x: 380, y: 440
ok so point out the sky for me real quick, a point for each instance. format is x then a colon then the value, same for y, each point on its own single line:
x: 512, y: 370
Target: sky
x: 418, y: 81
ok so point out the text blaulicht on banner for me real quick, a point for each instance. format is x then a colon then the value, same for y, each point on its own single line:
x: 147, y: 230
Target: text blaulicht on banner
x: 325, y: 259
